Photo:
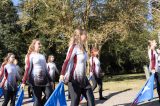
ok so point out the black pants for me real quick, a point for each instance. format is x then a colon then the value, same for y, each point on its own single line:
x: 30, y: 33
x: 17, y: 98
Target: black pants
x: 29, y: 91
x: 157, y: 78
x: 37, y: 91
x: 76, y: 89
x: 96, y: 81
x: 9, y: 95
x: 54, y: 85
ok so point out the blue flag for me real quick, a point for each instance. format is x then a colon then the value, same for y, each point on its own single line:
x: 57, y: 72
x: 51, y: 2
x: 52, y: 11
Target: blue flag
x: 58, y: 97
x: 20, y: 98
x: 1, y: 92
x: 146, y: 93
x: 18, y: 90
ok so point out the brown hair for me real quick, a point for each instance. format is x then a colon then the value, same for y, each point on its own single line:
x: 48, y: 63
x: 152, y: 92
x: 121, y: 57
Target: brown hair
x: 49, y: 58
x: 31, y: 46
x: 7, y: 58
x: 15, y: 61
x: 93, y: 50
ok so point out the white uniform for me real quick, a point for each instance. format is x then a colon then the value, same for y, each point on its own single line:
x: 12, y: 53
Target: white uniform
x: 97, y: 69
x: 52, y: 70
x: 36, y: 69
x: 151, y: 59
x: 80, y: 66
x: 12, y: 74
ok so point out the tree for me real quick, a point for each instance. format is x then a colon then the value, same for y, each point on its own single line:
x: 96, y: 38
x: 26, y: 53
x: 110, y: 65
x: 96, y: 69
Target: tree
x: 10, y: 31
x: 115, y: 21
x: 115, y: 26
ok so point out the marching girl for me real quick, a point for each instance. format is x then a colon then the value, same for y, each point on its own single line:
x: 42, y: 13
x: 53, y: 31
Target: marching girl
x: 74, y: 70
x: 18, y: 67
x: 37, y: 73
x: 154, y: 67
x: 9, y: 82
x: 95, y: 72
x: 52, y: 69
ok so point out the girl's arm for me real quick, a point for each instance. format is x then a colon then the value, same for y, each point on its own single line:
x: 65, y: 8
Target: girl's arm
x: 69, y: 58
x: 4, y: 78
x: 28, y: 66
x: 56, y: 69
x: 47, y: 70
x: 1, y: 71
x: 68, y: 61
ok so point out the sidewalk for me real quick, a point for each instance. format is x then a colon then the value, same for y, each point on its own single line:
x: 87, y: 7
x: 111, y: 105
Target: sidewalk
x: 115, y: 98
x: 120, y: 91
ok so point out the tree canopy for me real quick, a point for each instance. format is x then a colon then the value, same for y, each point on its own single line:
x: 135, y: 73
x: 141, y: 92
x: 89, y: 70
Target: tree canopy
x: 117, y: 27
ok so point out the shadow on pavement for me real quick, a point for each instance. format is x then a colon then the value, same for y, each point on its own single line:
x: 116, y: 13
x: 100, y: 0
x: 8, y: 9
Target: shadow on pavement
x: 149, y: 103
x: 110, y: 95
x: 97, y: 101
x: 98, y: 91
x: 126, y: 104
x: 66, y: 94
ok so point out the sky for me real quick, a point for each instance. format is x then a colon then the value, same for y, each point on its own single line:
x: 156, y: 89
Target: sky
x: 15, y: 2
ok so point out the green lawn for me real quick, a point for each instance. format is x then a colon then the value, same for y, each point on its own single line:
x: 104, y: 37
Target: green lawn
x: 127, y: 81
x: 123, y: 82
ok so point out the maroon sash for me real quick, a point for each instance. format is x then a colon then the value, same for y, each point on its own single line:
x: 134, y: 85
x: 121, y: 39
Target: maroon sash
x: 66, y: 63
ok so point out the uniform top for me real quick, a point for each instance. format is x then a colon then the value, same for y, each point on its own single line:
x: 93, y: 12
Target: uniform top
x: 35, y: 65
x: 153, y: 59
x: 95, y: 66
x: 76, y: 63
x: 12, y: 75
x: 52, y: 70
x: 39, y: 63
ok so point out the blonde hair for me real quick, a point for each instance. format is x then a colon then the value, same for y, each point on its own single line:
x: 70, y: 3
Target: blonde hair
x: 7, y: 58
x: 31, y: 46
x: 150, y: 43
x: 76, y: 38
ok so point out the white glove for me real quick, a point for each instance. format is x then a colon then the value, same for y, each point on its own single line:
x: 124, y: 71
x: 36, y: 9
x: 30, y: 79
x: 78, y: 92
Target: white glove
x: 90, y: 74
x: 61, y: 78
x: 153, y: 70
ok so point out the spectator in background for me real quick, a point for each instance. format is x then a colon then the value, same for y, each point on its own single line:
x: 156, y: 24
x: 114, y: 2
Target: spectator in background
x: 53, y: 71
x: 96, y: 72
x: 18, y: 68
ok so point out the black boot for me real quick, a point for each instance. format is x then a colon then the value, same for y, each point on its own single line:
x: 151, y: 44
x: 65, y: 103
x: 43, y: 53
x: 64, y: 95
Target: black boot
x: 102, y: 98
